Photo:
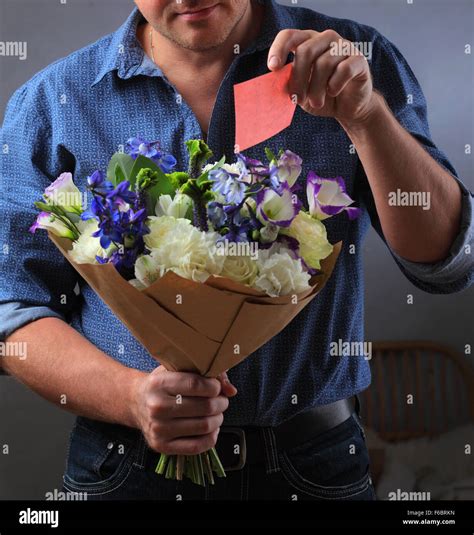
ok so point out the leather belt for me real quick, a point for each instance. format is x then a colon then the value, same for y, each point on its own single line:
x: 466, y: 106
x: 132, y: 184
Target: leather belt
x: 238, y: 446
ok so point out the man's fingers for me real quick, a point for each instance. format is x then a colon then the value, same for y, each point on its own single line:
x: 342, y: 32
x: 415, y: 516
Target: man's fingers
x: 187, y: 427
x: 188, y: 384
x: 323, y: 69
x: 194, y: 407
x: 346, y: 71
x: 305, y: 56
x: 313, y: 63
x: 285, y: 42
x: 192, y: 445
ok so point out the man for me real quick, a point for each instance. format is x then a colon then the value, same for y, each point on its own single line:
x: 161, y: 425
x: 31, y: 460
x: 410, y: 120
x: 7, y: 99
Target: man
x: 168, y: 74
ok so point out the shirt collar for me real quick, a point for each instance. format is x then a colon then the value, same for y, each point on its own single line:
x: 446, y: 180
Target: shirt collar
x: 125, y: 55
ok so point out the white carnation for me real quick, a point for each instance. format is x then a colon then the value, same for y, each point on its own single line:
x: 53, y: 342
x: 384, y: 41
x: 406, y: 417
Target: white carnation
x: 178, y: 246
x: 164, y: 228
x: 280, y: 273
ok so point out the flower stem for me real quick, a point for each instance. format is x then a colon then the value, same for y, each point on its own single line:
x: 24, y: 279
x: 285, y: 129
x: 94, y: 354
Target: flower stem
x: 200, y: 216
x: 198, y: 468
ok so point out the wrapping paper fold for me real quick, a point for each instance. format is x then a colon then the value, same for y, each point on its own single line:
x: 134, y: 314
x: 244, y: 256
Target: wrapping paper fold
x: 189, y: 326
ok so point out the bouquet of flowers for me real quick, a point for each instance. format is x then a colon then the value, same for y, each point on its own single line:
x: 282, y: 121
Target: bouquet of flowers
x: 192, y: 261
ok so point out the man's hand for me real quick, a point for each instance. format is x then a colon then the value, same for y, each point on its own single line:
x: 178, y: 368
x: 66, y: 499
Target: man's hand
x: 181, y: 413
x: 327, y: 82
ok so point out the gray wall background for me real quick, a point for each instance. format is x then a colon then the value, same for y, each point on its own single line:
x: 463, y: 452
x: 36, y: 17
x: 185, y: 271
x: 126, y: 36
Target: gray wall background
x: 430, y: 33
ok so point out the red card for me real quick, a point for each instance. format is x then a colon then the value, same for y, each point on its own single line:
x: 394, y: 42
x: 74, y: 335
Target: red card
x: 263, y: 107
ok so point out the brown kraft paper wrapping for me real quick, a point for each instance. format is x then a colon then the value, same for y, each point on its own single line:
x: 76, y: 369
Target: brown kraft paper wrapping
x: 211, y: 327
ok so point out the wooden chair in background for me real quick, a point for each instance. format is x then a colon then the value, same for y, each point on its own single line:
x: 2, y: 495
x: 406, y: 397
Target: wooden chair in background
x: 419, y: 389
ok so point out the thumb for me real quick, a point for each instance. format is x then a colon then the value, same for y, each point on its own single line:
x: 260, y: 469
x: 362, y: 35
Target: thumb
x: 228, y: 389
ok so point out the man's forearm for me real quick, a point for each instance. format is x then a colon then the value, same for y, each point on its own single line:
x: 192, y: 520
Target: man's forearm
x: 393, y: 160
x: 65, y: 368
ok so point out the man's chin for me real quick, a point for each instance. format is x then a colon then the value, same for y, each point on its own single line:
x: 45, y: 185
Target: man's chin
x: 199, y: 43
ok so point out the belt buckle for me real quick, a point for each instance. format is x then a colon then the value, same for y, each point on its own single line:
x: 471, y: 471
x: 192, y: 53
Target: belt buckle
x: 242, y: 447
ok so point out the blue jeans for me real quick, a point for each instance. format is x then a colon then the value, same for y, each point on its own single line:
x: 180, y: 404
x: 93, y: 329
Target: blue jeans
x: 109, y: 462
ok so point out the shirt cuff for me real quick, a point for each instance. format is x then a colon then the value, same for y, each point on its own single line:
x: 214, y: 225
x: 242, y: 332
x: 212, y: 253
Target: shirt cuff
x: 459, y: 260
x: 14, y: 315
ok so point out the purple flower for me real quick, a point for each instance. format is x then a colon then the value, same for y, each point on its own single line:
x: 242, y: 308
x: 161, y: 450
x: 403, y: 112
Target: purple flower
x: 137, y: 146
x: 288, y: 167
x: 235, y: 191
x: 328, y: 197
x: 216, y: 214
x: 255, y: 169
x: 64, y: 193
x: 228, y: 184
x: 122, y: 194
x: 220, y: 178
x: 277, y: 208
x: 166, y: 163
x: 52, y: 223
x: 121, y: 221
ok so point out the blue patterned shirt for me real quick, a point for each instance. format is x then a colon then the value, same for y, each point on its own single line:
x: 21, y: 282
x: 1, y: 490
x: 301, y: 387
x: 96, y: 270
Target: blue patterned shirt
x: 73, y: 115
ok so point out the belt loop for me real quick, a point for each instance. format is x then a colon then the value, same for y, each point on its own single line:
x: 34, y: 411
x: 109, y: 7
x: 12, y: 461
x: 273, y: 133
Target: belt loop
x: 141, y: 448
x: 271, y: 453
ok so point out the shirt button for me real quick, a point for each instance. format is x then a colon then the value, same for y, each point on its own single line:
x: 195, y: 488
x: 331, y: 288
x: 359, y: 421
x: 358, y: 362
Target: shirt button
x: 110, y: 445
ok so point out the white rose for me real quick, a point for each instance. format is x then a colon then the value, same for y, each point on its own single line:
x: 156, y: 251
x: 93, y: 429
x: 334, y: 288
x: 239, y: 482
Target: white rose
x: 241, y: 269
x: 280, y: 273
x: 312, y: 237
x: 229, y: 167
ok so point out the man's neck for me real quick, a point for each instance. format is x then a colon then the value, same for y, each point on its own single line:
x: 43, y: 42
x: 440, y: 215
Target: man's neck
x: 213, y: 63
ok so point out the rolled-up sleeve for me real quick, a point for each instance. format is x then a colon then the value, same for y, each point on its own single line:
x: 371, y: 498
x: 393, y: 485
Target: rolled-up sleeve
x: 35, y: 280
x: 456, y: 270
x: 394, y: 78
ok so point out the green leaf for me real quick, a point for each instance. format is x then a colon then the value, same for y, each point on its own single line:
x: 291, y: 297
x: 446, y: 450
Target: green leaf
x: 270, y: 155
x: 204, y: 176
x: 199, y: 153
x: 190, y: 189
x: 162, y: 188
x: 119, y: 175
x: 142, y: 162
x: 197, y: 148
x: 119, y: 168
x: 178, y: 178
x: 43, y: 206
x: 218, y: 164
x: 208, y: 196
